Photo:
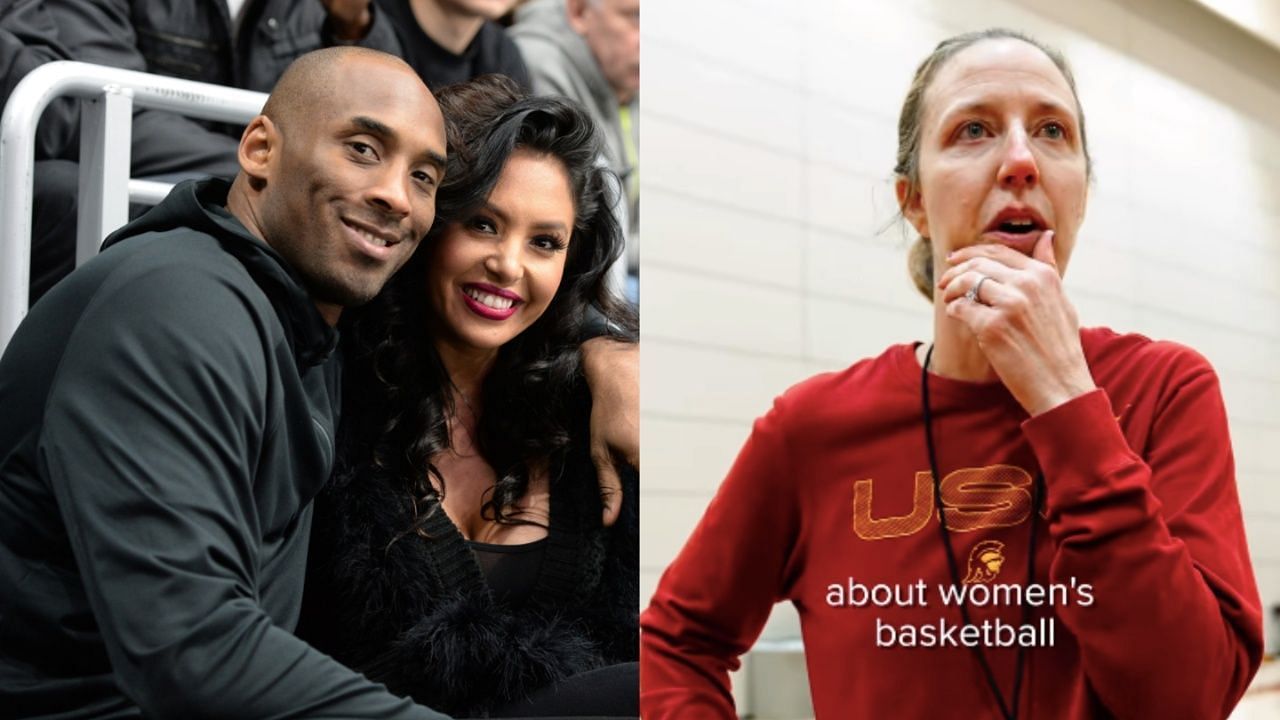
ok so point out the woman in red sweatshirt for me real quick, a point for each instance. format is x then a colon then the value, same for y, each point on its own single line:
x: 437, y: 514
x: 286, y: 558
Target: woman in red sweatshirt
x: 1019, y: 519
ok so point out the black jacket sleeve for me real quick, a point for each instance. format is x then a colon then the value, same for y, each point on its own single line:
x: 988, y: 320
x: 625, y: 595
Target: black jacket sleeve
x: 151, y: 432
x: 28, y: 39
x: 614, y: 615
x: 274, y: 33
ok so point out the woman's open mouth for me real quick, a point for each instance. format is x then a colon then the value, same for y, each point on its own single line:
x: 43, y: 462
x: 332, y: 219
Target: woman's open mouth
x: 1017, y: 227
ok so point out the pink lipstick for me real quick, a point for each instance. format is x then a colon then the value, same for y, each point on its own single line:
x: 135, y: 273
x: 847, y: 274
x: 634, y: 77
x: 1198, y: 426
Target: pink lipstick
x: 490, y: 302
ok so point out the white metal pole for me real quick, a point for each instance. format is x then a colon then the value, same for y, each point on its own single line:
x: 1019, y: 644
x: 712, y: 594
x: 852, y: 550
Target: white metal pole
x: 106, y: 131
x: 17, y: 148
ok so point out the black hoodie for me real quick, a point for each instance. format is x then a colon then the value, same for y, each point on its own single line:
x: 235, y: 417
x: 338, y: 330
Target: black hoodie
x: 166, y: 417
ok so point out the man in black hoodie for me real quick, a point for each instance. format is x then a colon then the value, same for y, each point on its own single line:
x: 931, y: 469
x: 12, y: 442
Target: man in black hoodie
x: 168, y: 415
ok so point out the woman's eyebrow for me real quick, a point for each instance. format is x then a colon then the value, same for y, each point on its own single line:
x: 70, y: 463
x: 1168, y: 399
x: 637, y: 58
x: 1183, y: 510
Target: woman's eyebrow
x: 550, y: 225
x: 493, y: 210
x: 544, y: 225
x: 972, y: 107
x: 1052, y: 107
x: 986, y: 107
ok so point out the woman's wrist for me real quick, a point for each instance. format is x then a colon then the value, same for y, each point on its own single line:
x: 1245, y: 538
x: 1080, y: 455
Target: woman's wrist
x: 1059, y: 393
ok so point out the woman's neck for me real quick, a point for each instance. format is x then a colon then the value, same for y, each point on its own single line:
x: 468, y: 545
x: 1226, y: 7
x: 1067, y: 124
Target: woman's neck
x: 956, y: 353
x: 449, y: 28
x: 467, y: 369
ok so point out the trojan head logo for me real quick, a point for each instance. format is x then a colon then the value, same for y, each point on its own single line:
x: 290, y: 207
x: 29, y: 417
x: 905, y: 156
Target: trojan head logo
x: 985, y: 560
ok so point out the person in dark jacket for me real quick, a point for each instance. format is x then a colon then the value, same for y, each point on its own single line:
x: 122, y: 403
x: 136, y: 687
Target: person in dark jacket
x: 202, y: 40
x: 453, y: 41
x: 169, y: 413
x: 589, y: 51
x: 29, y: 39
x: 198, y: 40
x: 459, y: 554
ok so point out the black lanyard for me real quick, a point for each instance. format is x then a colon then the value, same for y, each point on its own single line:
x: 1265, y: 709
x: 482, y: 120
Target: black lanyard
x: 1007, y: 711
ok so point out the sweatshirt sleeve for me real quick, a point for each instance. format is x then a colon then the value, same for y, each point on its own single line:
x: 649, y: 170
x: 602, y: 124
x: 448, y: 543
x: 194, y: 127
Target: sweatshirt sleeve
x: 1175, y: 627
x: 712, y: 602
x: 543, y: 58
x: 151, y: 435
x: 29, y: 39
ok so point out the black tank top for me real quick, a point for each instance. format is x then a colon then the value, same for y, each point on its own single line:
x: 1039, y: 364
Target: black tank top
x: 510, y: 570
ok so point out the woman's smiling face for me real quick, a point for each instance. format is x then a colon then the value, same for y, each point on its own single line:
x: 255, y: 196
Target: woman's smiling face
x: 494, y: 273
x: 1001, y: 156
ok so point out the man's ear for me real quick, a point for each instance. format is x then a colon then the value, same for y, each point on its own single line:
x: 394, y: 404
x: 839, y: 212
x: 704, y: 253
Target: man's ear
x: 575, y: 11
x: 259, y: 148
x: 912, y: 206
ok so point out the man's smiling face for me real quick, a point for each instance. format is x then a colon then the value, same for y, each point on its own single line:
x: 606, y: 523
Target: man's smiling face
x: 351, y: 187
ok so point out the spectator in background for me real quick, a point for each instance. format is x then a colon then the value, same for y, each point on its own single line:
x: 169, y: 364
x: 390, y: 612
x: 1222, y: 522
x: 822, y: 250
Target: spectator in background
x: 589, y: 51
x: 240, y: 43
x: 237, y: 43
x: 453, y: 41
x: 28, y: 39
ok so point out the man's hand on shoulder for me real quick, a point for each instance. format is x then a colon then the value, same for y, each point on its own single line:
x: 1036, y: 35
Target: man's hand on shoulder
x: 612, y: 369
x: 349, y: 20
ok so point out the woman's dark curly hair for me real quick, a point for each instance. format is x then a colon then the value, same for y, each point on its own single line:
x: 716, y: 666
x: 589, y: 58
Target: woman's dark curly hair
x: 398, y: 394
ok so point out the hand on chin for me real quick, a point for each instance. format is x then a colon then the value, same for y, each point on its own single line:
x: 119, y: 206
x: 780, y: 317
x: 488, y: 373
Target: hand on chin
x: 1014, y: 304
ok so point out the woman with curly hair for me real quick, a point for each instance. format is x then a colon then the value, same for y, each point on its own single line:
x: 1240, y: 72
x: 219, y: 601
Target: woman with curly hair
x: 459, y: 555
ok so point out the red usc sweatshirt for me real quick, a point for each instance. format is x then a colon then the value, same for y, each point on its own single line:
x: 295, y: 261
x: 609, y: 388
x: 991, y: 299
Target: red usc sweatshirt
x: 833, y: 490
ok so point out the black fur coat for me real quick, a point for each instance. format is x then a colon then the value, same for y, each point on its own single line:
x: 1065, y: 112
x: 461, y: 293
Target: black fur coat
x: 418, y: 616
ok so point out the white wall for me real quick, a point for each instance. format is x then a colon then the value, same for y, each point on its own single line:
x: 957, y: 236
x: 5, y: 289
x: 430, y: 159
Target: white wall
x: 769, y: 141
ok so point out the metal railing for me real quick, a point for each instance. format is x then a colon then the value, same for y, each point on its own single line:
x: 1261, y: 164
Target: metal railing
x: 106, y: 129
